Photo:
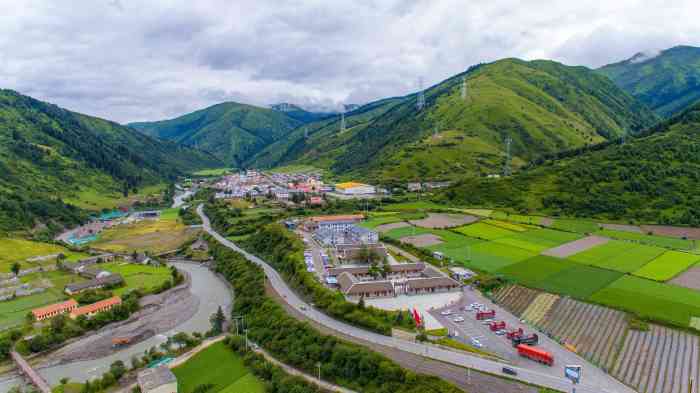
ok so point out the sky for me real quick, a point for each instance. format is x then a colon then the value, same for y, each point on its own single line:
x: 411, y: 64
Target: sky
x: 128, y: 60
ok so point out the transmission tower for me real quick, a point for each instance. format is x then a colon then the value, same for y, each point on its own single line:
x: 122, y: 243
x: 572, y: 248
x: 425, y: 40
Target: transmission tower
x: 421, y: 95
x: 342, y: 120
x: 464, y: 88
x: 306, y: 133
x: 506, y: 166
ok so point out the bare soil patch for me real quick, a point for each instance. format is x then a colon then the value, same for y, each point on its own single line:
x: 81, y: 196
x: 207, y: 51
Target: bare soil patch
x: 424, y: 240
x: 575, y: 247
x: 665, y: 230
x: 689, y: 279
x: 394, y: 225
x: 622, y: 227
x: 443, y: 220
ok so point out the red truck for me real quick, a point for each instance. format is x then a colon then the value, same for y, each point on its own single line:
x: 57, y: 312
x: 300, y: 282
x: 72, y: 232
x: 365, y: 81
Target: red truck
x: 481, y: 315
x: 515, y: 333
x: 535, y: 354
x: 532, y: 339
x: 496, y: 326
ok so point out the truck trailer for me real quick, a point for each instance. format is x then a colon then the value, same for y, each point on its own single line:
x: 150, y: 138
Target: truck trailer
x: 535, y: 354
x: 481, y: 315
x: 515, y: 333
x: 532, y: 339
x: 496, y: 326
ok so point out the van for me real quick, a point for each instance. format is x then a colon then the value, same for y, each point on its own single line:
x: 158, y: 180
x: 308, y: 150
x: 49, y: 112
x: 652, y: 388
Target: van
x: 509, y: 371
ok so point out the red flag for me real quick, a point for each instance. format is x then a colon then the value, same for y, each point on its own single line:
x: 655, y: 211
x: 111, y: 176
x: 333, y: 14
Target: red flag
x: 416, y: 317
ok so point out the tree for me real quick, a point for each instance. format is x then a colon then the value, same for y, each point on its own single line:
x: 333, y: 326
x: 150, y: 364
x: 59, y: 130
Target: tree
x: 118, y: 369
x: 361, y: 303
x: 58, y: 323
x: 64, y: 380
x: 203, y: 388
x: 16, y: 268
x: 217, y: 321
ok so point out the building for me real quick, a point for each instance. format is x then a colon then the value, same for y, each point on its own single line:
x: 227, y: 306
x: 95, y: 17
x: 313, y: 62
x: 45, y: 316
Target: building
x: 91, y: 309
x: 96, y: 283
x: 413, y: 187
x: 354, y: 188
x: 337, y: 222
x: 352, y: 287
x: 157, y: 380
x: 53, y: 310
x: 460, y: 273
x: 77, y: 267
x: 424, y: 285
x: 348, y: 253
x: 352, y: 234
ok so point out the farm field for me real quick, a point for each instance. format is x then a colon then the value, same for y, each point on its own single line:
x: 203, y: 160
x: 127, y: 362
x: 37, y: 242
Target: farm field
x: 492, y: 257
x: 575, y: 246
x: 618, y: 255
x: 579, y: 281
x: 212, y: 172
x: 443, y: 220
x: 19, y: 250
x: 220, y: 366
x: 416, y: 205
x: 667, y: 266
x: 659, y: 241
x: 536, y: 311
x: 155, y: 236
x: 660, y: 360
x: 515, y: 298
x: 688, y: 279
x: 531, y: 220
x: 651, y: 299
x: 482, y: 230
x: 532, y: 271
x: 137, y: 276
x: 571, y: 225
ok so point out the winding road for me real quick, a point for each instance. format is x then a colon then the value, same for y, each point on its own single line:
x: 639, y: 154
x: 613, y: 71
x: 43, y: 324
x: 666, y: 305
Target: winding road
x: 594, y: 379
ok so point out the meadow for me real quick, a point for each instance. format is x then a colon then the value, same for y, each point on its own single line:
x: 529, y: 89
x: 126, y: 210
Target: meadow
x: 155, y: 236
x: 667, y: 266
x: 138, y: 276
x: 481, y: 230
x: 220, y: 366
x: 618, y: 255
x: 18, y: 250
x: 660, y: 241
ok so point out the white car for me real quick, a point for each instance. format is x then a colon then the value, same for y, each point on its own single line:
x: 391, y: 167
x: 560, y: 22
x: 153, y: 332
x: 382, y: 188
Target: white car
x: 446, y: 312
x: 458, y: 319
x: 500, y: 332
x: 476, y: 343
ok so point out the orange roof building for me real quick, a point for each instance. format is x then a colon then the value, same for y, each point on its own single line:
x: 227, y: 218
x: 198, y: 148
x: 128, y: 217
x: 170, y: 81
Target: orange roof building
x: 343, y: 217
x: 94, y: 308
x: 53, y: 310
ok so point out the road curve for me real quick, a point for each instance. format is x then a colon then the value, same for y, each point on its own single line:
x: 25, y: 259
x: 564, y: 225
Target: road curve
x: 602, y: 384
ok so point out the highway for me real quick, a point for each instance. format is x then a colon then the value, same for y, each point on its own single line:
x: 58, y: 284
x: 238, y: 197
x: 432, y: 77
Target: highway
x: 594, y: 379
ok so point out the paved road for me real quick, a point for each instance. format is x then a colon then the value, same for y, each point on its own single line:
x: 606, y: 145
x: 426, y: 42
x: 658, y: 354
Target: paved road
x: 595, y: 382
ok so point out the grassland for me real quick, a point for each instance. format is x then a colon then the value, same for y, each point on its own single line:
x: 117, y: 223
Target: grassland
x: 481, y: 230
x: 667, y: 266
x: 93, y: 199
x: 219, y: 366
x: 572, y: 225
x: 660, y: 241
x: 155, y: 236
x: 534, y: 270
x: 138, y: 276
x: 618, y: 255
x: 579, y: 281
x: 18, y: 250
x: 212, y: 172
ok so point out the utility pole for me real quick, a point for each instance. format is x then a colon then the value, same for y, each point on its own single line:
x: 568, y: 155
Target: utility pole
x: 421, y: 95
x: 319, y: 375
x: 464, y: 88
x: 506, y: 166
x: 342, y: 120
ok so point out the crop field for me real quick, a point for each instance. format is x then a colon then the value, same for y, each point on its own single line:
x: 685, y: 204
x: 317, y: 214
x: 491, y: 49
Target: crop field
x: 622, y: 227
x: 575, y: 247
x: 412, y: 206
x: 476, y: 212
x: 579, y: 281
x: 617, y: 255
x: 672, y: 231
x: 578, y: 226
x: 532, y: 271
x: 148, y: 235
x: 651, y: 299
x: 659, y: 241
x: 509, y: 225
x: 515, y: 298
x: 536, y: 311
x: 220, y: 366
x: 481, y: 230
x: 667, y: 266
x: 531, y: 220
x: 374, y: 222
x: 19, y: 250
x: 660, y: 360
x: 442, y: 220
x: 13, y: 312
x: 398, y: 233
x: 545, y: 237
x: 491, y: 257
x: 212, y: 172
x: 138, y: 276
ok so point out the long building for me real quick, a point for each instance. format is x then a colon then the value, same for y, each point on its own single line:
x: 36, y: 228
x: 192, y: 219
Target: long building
x: 91, y: 309
x: 354, y: 188
x: 53, y: 310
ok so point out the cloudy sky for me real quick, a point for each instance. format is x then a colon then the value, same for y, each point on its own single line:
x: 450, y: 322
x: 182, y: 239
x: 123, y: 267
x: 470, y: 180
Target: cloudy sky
x: 129, y: 60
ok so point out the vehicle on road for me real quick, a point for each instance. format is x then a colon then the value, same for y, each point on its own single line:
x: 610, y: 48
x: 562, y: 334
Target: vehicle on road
x: 475, y: 342
x: 509, y: 371
x: 496, y: 326
x: 501, y: 332
x: 458, y: 319
x: 446, y: 312
x: 532, y: 339
x: 536, y: 354
x: 482, y: 315
x: 514, y: 333
x: 303, y: 308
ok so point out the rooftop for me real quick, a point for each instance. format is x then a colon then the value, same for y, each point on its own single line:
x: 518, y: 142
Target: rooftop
x: 350, y: 184
x: 41, y: 311
x: 91, y: 308
x: 343, y: 217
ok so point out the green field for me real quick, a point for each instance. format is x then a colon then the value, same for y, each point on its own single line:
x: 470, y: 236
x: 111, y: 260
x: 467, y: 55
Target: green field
x: 618, y: 255
x: 531, y: 220
x: 532, y: 271
x: 13, y: 312
x: 417, y: 205
x: 578, y: 226
x: 667, y: 266
x: 171, y: 214
x: 651, y: 299
x: 538, y: 240
x: 18, y: 250
x: 660, y: 241
x: 220, y: 366
x: 137, y: 276
x: 485, y: 231
x: 492, y: 257
x: 212, y: 172
x: 579, y: 281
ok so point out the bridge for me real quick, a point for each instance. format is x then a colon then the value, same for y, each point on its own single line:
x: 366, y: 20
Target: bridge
x: 27, y: 370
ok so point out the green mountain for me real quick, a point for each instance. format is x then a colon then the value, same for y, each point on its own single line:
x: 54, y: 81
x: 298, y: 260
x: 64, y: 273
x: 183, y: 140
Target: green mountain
x: 654, y: 177
x: 299, y: 113
x: 49, y: 155
x: 230, y: 131
x: 668, y: 82
x: 543, y: 106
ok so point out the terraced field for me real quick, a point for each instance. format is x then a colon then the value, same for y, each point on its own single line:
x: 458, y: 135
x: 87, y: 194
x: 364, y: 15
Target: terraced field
x: 661, y: 360
x: 515, y: 298
x: 536, y: 311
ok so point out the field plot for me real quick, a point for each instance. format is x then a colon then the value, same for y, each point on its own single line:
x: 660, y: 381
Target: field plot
x: 220, y: 366
x: 576, y: 246
x: 595, y: 332
x: 618, y: 255
x: 442, y: 220
x: 515, y: 298
x: 491, y: 257
x: 579, y: 281
x: 482, y: 230
x: 535, y: 312
x: 476, y: 212
x: 19, y: 250
x: 138, y: 276
x: 671, y: 231
x: 531, y: 220
x: 538, y: 240
x: 660, y: 241
x: 622, y: 227
x: 13, y: 312
x: 661, y: 360
x: 423, y: 240
x: 651, y: 299
x: 688, y: 279
x: 153, y: 236
x: 531, y: 272
x: 376, y: 222
x: 571, y: 225
x: 384, y: 228
x: 667, y: 266
x: 509, y: 225
x: 398, y: 233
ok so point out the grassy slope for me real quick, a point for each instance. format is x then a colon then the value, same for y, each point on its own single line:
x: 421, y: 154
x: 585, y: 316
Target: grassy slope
x: 654, y: 178
x: 667, y: 83
x: 232, y: 132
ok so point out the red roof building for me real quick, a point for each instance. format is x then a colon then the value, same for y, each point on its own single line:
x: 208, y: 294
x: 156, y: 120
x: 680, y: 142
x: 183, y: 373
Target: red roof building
x: 53, y: 310
x: 98, y: 307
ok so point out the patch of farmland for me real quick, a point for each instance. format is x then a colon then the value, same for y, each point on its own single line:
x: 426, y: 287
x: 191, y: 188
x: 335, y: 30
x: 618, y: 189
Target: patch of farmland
x: 661, y: 360
x: 476, y: 212
x: 622, y: 227
x: 423, y: 240
x: 442, y: 220
x: 667, y: 266
x: 482, y: 230
x: 660, y: 241
x: 384, y: 228
x: 618, y: 255
x: 376, y: 222
x: 491, y: 257
x: 519, y: 218
x: 508, y: 225
x: 398, y: 233
x: 579, y: 281
x: 515, y: 298
x: 531, y: 272
x: 651, y: 299
x: 576, y: 246
x: 572, y: 225
x: 594, y: 331
x: 672, y: 231
x: 536, y: 311
x: 688, y: 279
x: 521, y: 243
x: 538, y: 240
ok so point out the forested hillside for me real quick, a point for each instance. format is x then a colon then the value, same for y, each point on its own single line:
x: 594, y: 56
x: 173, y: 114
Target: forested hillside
x: 542, y: 105
x: 651, y: 178
x: 668, y: 82
x: 49, y: 154
x: 230, y: 131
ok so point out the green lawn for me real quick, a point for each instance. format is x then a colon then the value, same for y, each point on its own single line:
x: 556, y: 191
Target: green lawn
x: 531, y: 272
x: 618, y: 255
x: 651, y: 299
x: 492, y: 257
x: 220, y: 366
x: 572, y: 225
x: 481, y: 230
x: 138, y: 276
x: 667, y: 266
x: 579, y: 281
x: 660, y: 241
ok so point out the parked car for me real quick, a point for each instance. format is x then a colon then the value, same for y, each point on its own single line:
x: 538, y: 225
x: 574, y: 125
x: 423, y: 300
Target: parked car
x: 458, y: 319
x: 446, y: 312
x: 475, y: 342
x: 500, y: 332
x: 509, y: 371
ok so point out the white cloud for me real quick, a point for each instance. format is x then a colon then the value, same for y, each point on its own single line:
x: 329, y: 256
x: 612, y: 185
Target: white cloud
x: 127, y: 60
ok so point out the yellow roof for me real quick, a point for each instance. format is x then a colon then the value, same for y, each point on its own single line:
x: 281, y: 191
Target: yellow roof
x: 349, y: 184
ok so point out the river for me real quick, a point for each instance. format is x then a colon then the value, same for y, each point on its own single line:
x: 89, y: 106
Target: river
x: 212, y: 293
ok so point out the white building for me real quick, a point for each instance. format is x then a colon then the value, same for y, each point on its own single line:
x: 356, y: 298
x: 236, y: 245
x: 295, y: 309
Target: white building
x: 354, y: 188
